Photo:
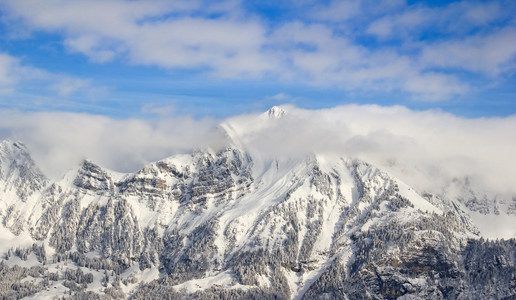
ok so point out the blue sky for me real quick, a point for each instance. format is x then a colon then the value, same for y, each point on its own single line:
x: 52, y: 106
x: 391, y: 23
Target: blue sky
x: 142, y: 59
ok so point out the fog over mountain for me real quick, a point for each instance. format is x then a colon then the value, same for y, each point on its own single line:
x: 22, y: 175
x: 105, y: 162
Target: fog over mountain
x: 424, y: 148
x: 349, y: 202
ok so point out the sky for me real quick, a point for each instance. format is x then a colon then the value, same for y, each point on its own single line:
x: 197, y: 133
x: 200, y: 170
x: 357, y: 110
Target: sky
x: 215, y: 59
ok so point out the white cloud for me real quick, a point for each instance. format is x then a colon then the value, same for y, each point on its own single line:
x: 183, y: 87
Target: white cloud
x: 67, y: 85
x: 435, y: 86
x: 381, y: 28
x: 399, y: 25
x: 319, y: 56
x: 336, y: 10
x: 158, y: 109
x: 426, y: 149
x: 7, y: 64
x: 224, y: 46
x: 456, y: 18
x: 492, y: 54
x: 143, y: 32
x: 59, y: 141
x: 12, y: 72
x: 280, y: 97
x: 93, y: 47
x: 14, y: 76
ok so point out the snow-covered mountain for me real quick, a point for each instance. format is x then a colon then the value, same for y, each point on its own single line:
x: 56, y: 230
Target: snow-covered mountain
x: 236, y: 224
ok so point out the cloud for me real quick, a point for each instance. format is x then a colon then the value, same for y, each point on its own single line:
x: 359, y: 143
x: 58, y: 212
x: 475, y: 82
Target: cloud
x: 59, y: 141
x: 142, y: 32
x: 280, y: 97
x: 435, y: 86
x: 158, y: 109
x: 7, y: 63
x: 458, y: 18
x: 15, y: 77
x: 426, y: 149
x: 67, y: 86
x: 492, y: 54
x: 324, y: 59
x: 336, y: 11
x: 12, y: 72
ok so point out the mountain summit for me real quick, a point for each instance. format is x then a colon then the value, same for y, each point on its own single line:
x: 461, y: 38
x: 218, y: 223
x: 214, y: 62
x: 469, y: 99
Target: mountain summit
x: 276, y: 112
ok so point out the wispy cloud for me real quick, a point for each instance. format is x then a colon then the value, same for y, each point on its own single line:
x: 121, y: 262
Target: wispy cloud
x: 280, y: 97
x: 336, y: 11
x: 15, y: 77
x: 67, y: 86
x: 158, y: 109
x: 452, y: 20
x: 491, y: 54
x: 7, y: 78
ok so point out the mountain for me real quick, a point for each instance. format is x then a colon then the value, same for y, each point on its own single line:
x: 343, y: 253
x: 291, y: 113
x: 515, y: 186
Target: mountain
x: 234, y: 224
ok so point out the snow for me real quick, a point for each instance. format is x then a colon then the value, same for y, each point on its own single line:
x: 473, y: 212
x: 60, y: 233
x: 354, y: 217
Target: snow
x: 148, y: 275
x: 116, y: 176
x: 276, y: 112
x: 222, y: 279
x: 263, y: 280
x: 31, y: 260
x: 309, y: 277
x: 10, y: 241
x: 271, y: 186
x: 292, y: 279
x: 418, y: 201
x: 55, y: 291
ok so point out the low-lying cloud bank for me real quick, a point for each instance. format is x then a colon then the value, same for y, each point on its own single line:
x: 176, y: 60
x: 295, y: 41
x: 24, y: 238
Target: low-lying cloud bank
x: 59, y: 141
x: 426, y: 149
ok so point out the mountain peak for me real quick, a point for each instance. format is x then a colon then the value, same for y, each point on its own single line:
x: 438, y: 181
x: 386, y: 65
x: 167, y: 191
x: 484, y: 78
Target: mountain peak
x: 18, y: 171
x: 11, y: 145
x: 11, y: 152
x: 276, y: 112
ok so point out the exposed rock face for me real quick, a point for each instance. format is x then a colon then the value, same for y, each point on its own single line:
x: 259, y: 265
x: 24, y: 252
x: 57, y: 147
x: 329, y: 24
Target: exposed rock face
x: 218, y: 225
x: 91, y: 179
x: 18, y: 173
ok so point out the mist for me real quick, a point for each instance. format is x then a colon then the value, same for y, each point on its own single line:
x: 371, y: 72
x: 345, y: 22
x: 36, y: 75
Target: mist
x: 60, y: 141
x: 426, y: 149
